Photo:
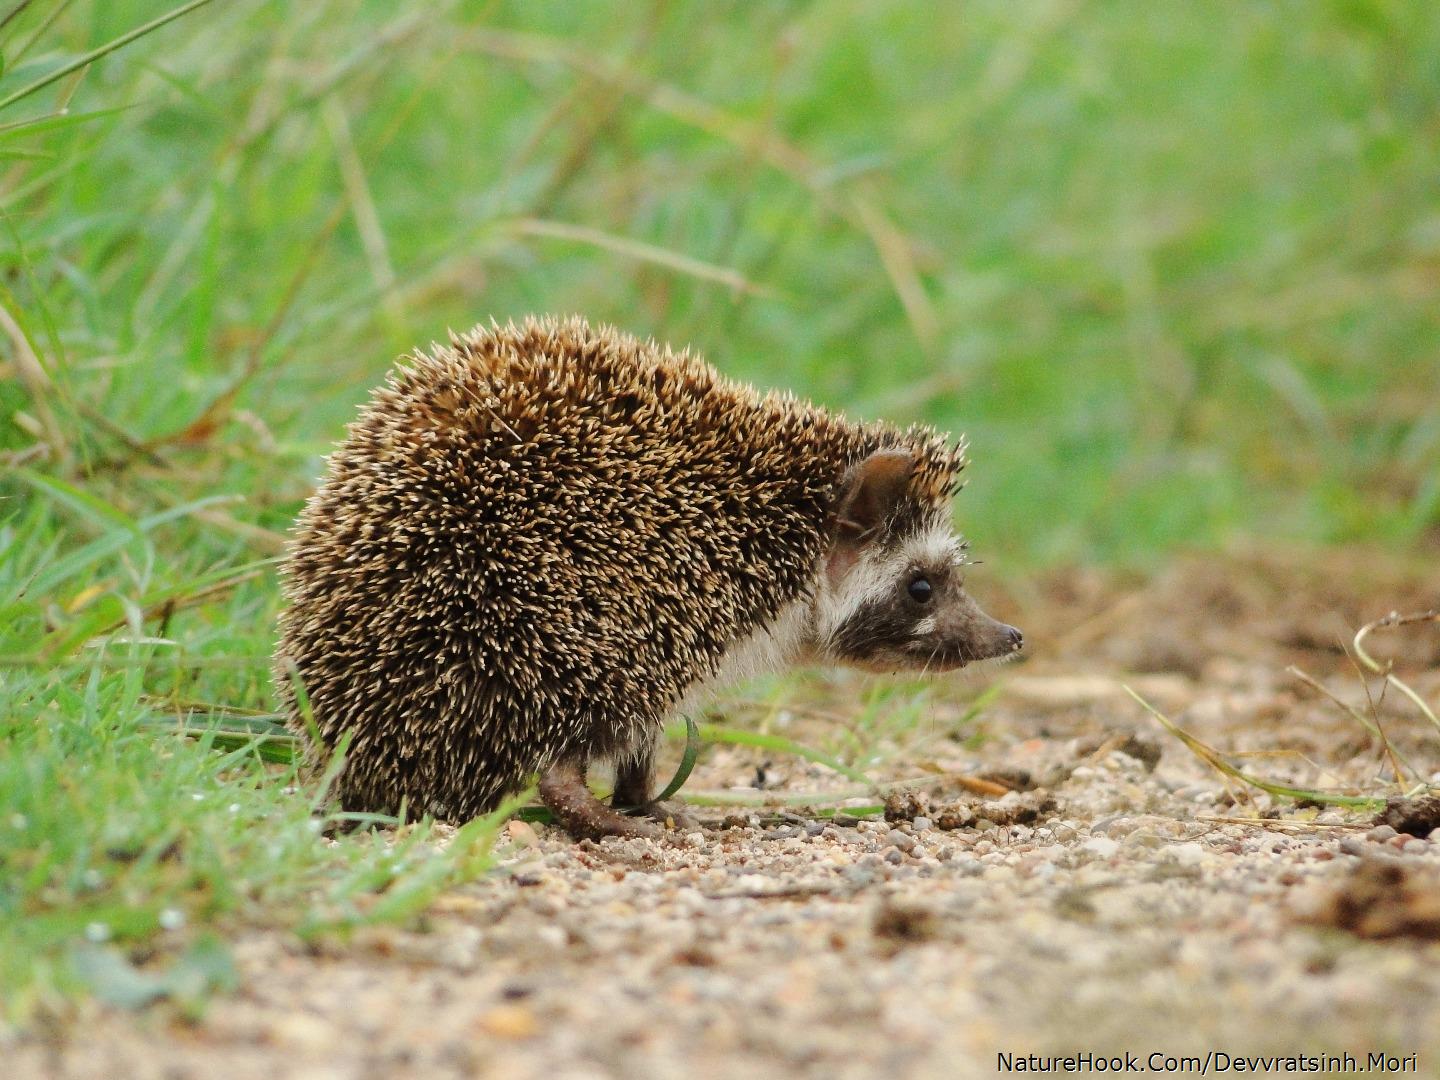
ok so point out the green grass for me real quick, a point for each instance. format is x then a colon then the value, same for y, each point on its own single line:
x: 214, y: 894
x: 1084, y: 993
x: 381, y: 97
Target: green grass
x: 121, y: 840
x: 1173, y: 267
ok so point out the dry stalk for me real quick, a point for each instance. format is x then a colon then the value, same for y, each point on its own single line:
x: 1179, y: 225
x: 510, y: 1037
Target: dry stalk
x: 1216, y: 761
x: 1384, y: 670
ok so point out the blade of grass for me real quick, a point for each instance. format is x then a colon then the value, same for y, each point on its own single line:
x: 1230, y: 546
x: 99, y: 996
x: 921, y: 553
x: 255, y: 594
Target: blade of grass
x: 333, y: 765
x: 361, y: 201
x: 102, y: 50
x: 83, y: 502
x: 10, y: 15
x: 57, y: 120
x: 51, y: 18
x: 687, y: 761
x: 62, y: 569
x: 1213, y: 758
x: 716, y: 733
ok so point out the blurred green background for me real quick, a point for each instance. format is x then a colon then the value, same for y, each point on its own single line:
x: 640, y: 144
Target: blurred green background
x: 1173, y: 267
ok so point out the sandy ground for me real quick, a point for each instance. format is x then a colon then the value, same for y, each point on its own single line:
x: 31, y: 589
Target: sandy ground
x: 1123, y: 898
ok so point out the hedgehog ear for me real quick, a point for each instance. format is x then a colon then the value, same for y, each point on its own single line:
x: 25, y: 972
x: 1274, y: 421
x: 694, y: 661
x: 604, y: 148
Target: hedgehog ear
x: 872, y: 489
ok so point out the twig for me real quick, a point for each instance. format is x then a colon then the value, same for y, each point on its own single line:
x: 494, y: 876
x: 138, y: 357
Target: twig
x: 1277, y: 825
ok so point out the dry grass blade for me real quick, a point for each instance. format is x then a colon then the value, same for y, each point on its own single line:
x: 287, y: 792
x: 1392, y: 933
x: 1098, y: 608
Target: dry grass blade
x: 257, y: 536
x: 1314, y: 684
x: 36, y: 381
x: 1276, y: 825
x: 362, y: 203
x: 894, y: 248
x: 1392, y: 620
x: 218, y: 411
x: 637, y: 249
x: 1398, y: 763
x: 1212, y: 757
x: 1375, y: 712
x: 898, y: 258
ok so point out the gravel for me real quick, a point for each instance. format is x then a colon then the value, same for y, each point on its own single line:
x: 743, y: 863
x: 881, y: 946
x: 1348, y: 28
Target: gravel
x: 827, y: 951
x: 1131, y: 903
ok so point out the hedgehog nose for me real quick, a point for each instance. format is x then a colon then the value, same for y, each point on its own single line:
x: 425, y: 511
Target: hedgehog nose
x: 1014, y: 637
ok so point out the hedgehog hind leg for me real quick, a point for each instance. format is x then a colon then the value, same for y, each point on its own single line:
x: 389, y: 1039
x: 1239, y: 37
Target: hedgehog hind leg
x: 583, y: 816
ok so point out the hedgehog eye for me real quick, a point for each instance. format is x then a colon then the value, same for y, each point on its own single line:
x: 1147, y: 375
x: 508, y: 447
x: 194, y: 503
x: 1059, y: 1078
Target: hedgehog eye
x: 920, y: 590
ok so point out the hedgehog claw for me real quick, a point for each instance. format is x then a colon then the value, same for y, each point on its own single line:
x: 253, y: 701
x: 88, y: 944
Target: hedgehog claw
x: 670, y: 814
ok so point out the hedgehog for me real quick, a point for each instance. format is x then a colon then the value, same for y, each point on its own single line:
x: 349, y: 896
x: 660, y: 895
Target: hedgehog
x: 537, y: 544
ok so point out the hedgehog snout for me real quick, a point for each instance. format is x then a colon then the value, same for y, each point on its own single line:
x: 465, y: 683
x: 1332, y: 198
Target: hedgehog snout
x: 973, y: 635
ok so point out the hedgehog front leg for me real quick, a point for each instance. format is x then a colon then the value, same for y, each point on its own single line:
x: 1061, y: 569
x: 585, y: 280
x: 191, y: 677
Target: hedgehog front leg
x: 583, y: 816
x: 632, y: 778
x: 632, y: 789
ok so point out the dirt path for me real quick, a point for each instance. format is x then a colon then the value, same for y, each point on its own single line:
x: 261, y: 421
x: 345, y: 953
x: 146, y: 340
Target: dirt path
x: 1118, y: 904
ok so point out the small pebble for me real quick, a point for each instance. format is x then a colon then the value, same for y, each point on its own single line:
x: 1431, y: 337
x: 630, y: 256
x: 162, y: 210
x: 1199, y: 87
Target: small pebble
x: 901, y: 840
x: 1102, y: 846
x: 1188, y: 854
x: 859, y: 876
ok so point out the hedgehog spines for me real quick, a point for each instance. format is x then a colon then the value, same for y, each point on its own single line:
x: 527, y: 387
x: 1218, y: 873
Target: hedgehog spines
x: 534, y: 539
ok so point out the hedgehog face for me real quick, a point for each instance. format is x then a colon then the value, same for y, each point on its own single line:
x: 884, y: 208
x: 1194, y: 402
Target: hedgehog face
x: 891, y: 600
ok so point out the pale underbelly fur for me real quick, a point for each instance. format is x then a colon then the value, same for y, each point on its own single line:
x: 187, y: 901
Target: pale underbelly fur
x: 768, y: 650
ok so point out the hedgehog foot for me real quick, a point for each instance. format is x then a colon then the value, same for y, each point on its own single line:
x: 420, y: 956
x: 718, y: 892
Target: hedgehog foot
x: 669, y: 814
x: 583, y: 816
x: 632, y: 794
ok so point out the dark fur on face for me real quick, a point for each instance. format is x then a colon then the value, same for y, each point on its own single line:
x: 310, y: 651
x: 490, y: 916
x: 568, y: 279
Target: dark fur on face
x: 896, y: 596
x: 947, y: 631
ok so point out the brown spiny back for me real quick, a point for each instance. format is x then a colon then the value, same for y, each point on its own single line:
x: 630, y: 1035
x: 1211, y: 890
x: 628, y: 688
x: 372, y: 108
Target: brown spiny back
x: 534, y: 540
